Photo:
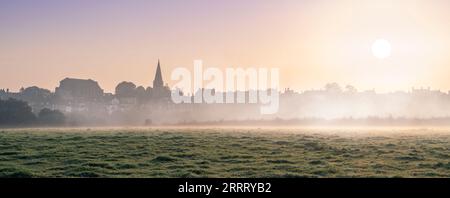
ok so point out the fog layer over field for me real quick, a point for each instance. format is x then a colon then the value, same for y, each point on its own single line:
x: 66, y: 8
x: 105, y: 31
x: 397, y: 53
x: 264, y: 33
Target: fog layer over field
x: 132, y: 105
x: 331, y: 105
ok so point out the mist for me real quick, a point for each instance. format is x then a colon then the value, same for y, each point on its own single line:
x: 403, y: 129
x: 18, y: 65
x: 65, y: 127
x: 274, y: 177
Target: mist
x: 85, y: 104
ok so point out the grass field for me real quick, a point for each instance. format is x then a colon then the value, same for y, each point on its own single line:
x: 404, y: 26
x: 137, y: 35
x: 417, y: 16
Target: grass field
x: 224, y: 152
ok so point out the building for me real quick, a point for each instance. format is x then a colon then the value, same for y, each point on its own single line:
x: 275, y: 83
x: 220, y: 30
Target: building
x: 71, y: 89
x: 159, y: 90
x: 158, y: 82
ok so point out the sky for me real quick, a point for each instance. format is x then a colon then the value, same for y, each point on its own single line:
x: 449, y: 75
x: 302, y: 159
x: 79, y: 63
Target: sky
x: 312, y: 42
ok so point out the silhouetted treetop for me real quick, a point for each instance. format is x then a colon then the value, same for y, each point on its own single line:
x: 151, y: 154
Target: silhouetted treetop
x: 126, y: 89
x: 51, y: 117
x: 15, y: 112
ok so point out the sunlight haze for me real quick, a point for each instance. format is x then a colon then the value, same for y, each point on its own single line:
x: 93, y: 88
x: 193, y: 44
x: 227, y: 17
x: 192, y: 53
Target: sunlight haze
x: 312, y: 42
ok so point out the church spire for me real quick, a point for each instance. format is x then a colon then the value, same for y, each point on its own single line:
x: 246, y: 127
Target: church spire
x: 158, y: 81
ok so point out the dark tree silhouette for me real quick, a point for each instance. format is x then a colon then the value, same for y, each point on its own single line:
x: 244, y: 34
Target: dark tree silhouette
x: 35, y: 95
x: 126, y: 89
x: 15, y: 112
x: 51, y: 117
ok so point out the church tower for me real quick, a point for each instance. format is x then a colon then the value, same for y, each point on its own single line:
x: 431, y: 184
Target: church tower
x: 158, y: 81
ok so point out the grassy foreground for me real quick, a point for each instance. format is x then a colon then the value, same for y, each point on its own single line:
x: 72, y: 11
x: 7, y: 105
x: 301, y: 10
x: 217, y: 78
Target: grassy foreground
x: 224, y: 152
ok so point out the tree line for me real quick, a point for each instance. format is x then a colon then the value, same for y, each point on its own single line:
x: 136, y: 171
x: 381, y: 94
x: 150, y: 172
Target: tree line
x: 15, y: 112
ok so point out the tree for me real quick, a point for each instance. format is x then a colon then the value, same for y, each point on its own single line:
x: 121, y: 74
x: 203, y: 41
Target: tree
x: 351, y: 89
x: 35, y: 95
x: 141, y: 94
x: 333, y: 87
x: 125, y: 90
x: 15, y: 112
x: 140, y: 91
x: 51, y: 117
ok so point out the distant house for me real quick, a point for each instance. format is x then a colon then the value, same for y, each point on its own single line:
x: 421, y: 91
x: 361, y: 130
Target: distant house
x: 71, y: 89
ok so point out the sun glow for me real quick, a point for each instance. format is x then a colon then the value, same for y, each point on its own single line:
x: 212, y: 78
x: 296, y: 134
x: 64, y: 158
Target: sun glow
x: 381, y: 48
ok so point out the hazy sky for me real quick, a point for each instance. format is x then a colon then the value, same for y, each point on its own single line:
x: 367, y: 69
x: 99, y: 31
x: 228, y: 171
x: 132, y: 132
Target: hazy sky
x: 312, y: 42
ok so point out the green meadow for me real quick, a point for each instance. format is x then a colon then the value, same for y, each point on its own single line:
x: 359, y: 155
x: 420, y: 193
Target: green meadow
x: 225, y: 152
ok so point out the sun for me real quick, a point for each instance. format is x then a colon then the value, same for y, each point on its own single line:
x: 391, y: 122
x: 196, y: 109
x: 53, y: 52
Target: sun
x: 381, y: 48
